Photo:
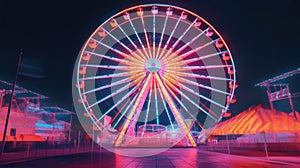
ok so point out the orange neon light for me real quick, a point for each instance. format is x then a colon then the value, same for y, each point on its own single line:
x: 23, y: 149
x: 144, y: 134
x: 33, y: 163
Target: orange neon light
x: 175, y: 110
x: 122, y: 133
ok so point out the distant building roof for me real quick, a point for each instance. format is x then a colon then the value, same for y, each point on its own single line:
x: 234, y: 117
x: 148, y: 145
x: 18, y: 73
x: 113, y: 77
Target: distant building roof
x: 279, y: 77
x: 21, y: 93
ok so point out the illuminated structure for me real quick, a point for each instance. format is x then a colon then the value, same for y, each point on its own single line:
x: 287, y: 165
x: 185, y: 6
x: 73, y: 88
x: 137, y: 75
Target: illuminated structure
x: 28, y: 120
x: 279, y: 91
x: 154, y: 64
x: 251, y: 123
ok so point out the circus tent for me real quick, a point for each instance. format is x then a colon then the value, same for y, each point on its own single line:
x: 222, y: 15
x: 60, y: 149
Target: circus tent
x: 259, y: 119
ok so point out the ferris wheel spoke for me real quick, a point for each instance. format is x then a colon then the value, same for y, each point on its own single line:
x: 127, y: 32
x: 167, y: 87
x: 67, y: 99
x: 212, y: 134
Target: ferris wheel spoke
x: 189, y: 68
x: 114, y: 75
x: 139, y: 39
x: 211, y: 115
x: 207, y: 108
x: 142, y: 56
x: 148, y: 107
x: 121, y: 100
x: 125, y: 68
x: 196, y: 84
x: 116, y: 104
x: 188, y: 61
x: 192, y: 75
x: 123, y: 61
x: 146, y: 36
x: 139, y: 103
x: 156, y: 102
x: 119, y: 52
x: 153, y: 41
x: 119, y: 82
x: 179, y: 39
x: 120, y: 110
x: 165, y: 106
x: 125, y: 111
x: 169, y: 39
x: 174, y: 110
x: 161, y: 36
x: 184, y: 107
x: 123, y: 45
x: 113, y: 94
x: 182, y: 56
x: 186, y: 45
x: 202, y: 86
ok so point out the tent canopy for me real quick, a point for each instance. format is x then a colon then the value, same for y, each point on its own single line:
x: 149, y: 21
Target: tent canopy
x: 258, y: 119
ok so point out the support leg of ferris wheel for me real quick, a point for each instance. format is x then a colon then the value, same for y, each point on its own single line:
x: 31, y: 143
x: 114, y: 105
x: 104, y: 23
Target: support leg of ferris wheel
x: 136, y: 109
x: 131, y: 128
x: 175, y: 111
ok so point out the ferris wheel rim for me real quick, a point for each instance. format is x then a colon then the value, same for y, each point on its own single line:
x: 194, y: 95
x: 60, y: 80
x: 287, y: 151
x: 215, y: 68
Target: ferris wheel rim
x: 163, y: 5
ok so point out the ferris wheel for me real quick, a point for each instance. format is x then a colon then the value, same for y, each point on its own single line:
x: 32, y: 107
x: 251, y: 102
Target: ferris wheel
x: 155, y: 64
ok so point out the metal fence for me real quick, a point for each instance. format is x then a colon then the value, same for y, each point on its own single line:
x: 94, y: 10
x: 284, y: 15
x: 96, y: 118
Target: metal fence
x: 31, y: 151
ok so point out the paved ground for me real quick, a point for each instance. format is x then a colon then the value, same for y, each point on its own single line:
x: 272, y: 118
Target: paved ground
x: 174, y: 157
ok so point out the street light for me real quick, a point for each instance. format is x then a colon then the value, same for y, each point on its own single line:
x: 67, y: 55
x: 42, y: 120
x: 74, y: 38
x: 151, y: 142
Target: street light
x: 9, y: 105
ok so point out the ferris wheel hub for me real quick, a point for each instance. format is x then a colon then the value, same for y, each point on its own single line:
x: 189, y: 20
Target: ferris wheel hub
x: 153, y: 65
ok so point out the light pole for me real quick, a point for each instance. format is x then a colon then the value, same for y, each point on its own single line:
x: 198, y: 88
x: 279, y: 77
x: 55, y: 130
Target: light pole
x: 9, y: 105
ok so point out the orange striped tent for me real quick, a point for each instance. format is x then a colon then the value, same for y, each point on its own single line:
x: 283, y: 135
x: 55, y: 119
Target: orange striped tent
x: 257, y: 119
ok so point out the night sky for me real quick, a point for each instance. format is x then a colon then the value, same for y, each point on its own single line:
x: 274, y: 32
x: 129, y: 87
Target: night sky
x: 263, y: 36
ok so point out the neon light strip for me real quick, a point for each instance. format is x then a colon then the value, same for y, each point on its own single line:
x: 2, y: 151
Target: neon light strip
x: 193, y: 51
x: 153, y: 43
x: 169, y: 39
x: 127, y: 108
x: 145, y: 33
x: 178, y: 40
x: 147, y: 56
x: 119, y: 52
x: 183, y: 34
x: 133, y: 110
x: 191, y: 101
x: 191, y: 75
x: 175, y: 111
x: 183, y: 62
x: 165, y: 106
x: 111, y: 58
x: 114, y: 75
x: 184, y: 46
x: 111, y: 67
x: 161, y: 36
x: 135, y: 46
x: 148, y: 108
x: 120, y: 101
x: 178, y: 79
x: 120, y: 110
x: 113, y: 84
x: 48, y: 125
x: 184, y: 68
x: 156, y: 102
x: 184, y: 107
x: 140, y: 106
x: 123, y: 45
x: 113, y: 94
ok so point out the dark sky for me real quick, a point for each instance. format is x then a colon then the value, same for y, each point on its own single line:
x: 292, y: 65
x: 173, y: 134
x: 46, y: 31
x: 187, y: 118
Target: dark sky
x: 263, y: 36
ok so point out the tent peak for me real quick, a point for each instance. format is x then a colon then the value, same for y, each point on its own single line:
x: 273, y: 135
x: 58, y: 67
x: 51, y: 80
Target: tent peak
x: 259, y: 106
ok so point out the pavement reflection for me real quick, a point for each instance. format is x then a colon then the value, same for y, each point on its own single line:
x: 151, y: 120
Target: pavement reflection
x: 174, y: 157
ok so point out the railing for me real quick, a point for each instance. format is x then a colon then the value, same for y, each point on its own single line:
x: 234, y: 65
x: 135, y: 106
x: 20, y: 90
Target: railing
x: 253, y: 148
x: 38, y: 150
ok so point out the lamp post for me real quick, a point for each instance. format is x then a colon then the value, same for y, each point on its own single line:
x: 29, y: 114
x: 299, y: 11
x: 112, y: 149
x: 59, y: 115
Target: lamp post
x: 9, y: 105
